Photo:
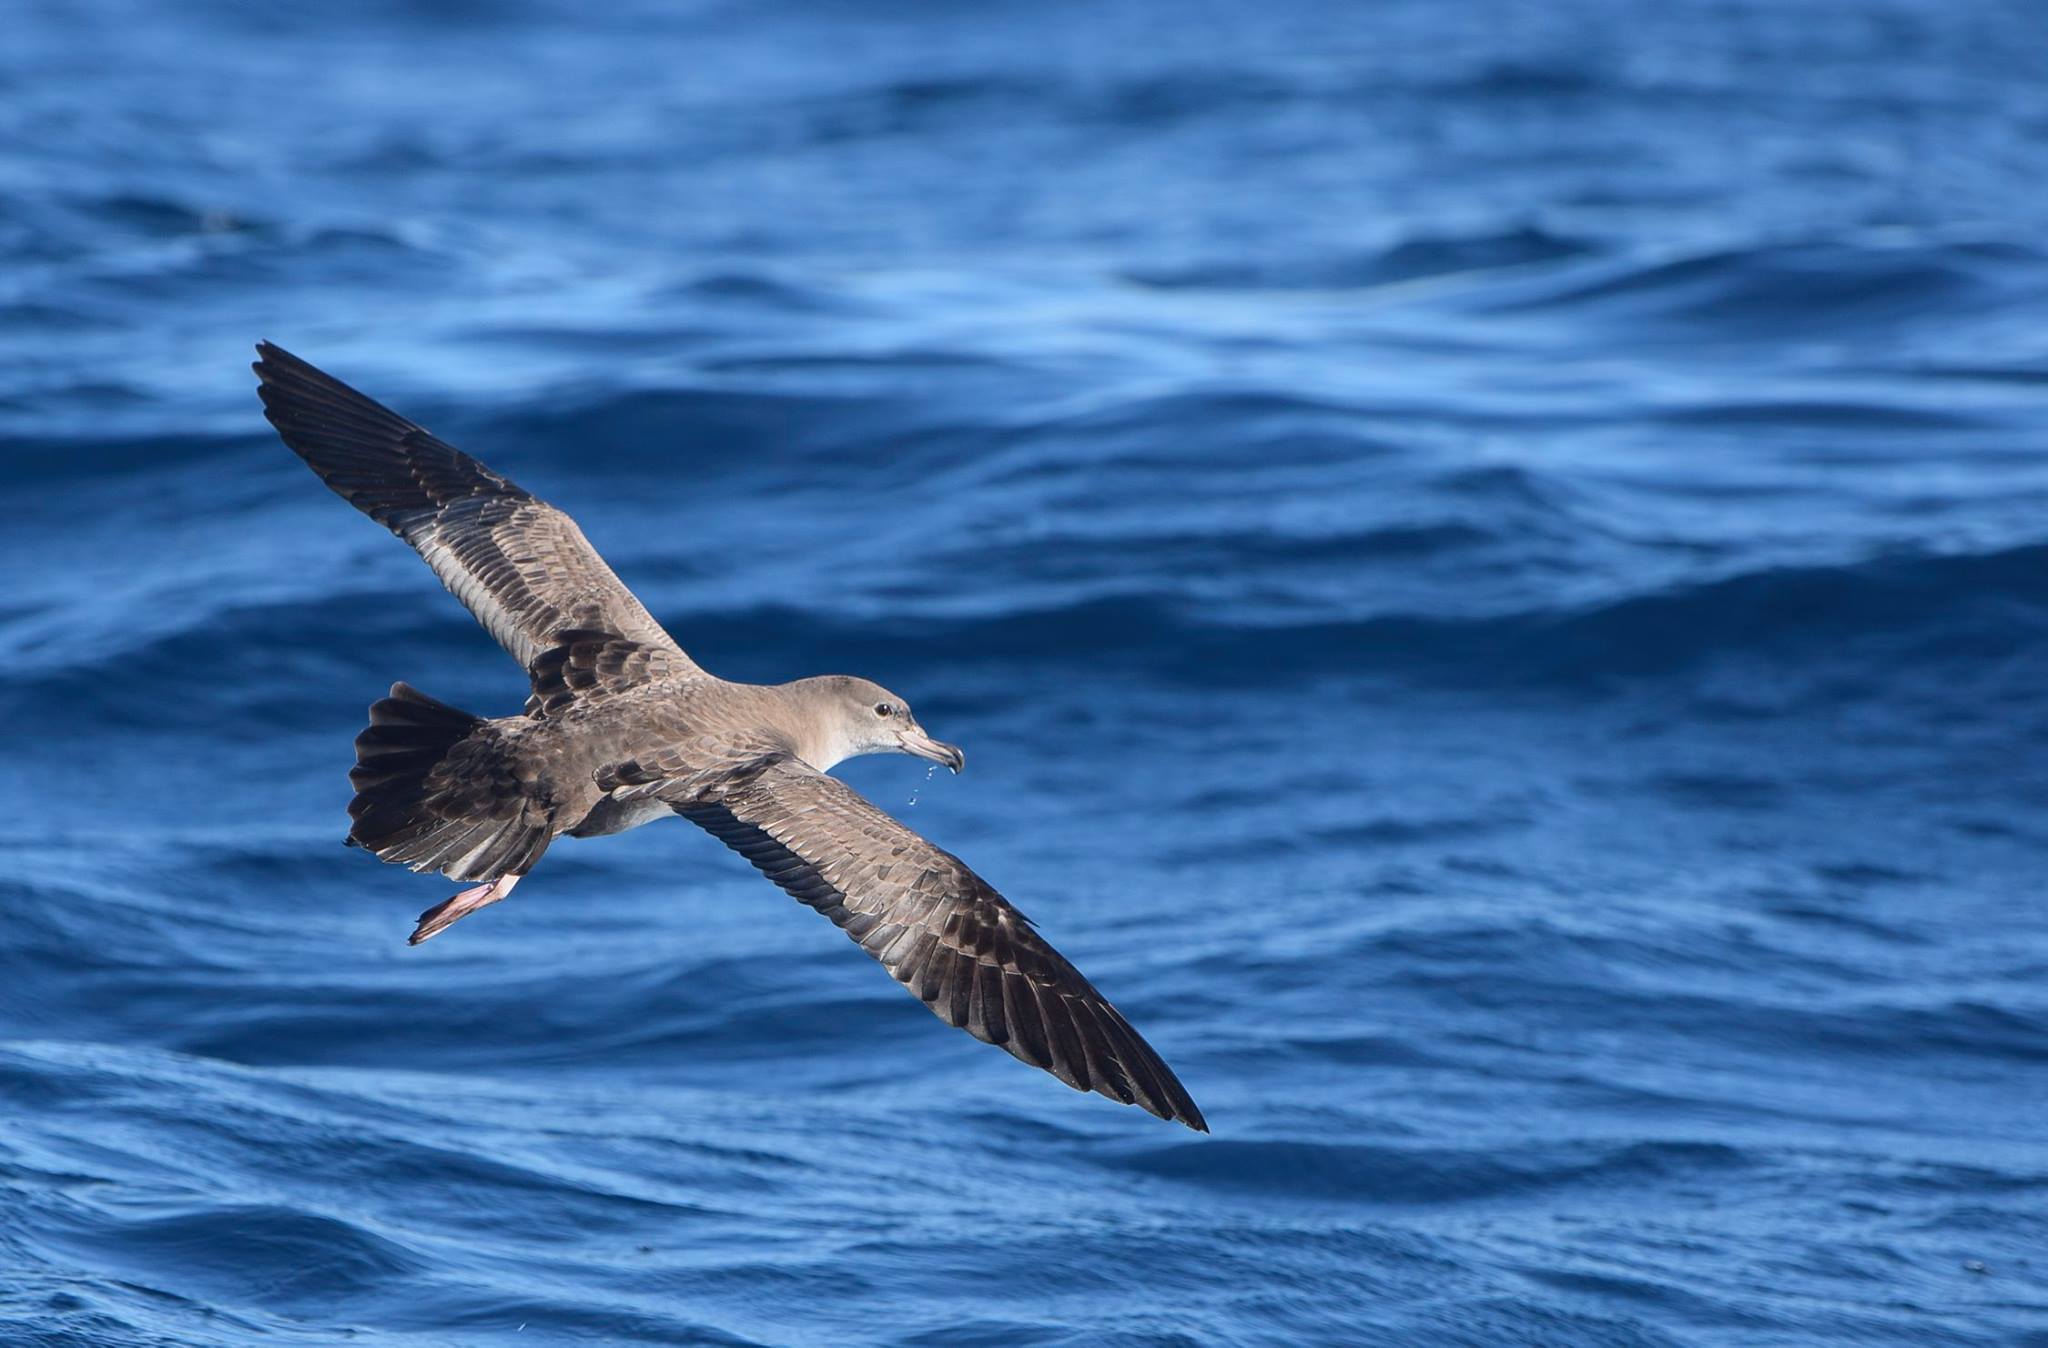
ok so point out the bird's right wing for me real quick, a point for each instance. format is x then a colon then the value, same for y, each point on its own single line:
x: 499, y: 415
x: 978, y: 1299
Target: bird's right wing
x: 520, y: 565
x: 936, y: 926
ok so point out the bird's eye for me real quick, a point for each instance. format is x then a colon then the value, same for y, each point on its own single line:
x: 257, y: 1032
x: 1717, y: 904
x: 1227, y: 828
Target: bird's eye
x: 884, y: 709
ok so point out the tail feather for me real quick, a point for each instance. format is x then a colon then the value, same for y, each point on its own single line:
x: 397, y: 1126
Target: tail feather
x: 434, y: 791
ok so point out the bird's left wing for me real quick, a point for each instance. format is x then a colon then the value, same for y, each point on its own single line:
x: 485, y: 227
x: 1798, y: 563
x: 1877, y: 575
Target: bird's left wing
x: 935, y: 925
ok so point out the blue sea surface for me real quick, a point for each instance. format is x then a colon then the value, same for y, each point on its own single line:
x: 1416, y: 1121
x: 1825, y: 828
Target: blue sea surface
x: 1490, y: 561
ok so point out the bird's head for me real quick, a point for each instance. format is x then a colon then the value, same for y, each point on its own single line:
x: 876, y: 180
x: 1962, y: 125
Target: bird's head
x: 848, y: 717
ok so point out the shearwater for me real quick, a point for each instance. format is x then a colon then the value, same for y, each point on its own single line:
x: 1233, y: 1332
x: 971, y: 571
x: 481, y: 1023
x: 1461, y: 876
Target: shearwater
x: 622, y: 728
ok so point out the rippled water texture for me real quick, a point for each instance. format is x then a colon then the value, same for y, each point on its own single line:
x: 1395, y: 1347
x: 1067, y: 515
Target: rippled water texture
x: 1491, y: 562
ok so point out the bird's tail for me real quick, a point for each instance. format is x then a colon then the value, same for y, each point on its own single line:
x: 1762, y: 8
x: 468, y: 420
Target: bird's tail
x: 434, y: 792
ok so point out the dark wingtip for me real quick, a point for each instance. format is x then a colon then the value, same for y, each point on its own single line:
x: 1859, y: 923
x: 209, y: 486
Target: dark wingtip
x: 272, y: 360
x: 1177, y: 1108
x: 265, y: 364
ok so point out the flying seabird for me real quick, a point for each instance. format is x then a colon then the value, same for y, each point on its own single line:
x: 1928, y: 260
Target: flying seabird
x: 623, y: 728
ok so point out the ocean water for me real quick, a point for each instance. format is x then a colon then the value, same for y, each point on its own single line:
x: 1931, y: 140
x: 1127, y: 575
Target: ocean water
x: 1491, y: 563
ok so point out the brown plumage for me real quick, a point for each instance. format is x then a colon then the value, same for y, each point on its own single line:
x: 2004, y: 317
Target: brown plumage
x: 622, y: 727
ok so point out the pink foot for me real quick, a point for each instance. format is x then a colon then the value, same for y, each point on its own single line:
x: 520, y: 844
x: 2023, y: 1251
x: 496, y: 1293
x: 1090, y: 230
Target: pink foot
x: 441, y: 915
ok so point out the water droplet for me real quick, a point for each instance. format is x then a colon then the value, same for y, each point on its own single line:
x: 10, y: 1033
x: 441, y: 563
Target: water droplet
x: 918, y: 790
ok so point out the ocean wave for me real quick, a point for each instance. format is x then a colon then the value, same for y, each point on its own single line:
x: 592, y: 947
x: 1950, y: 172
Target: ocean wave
x: 1326, y: 1172
x: 1989, y: 605
x: 1926, y: 613
x: 1409, y: 259
x: 1780, y: 289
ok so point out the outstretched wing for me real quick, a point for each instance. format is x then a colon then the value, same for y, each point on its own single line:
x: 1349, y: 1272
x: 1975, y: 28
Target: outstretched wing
x: 522, y: 566
x: 938, y: 928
